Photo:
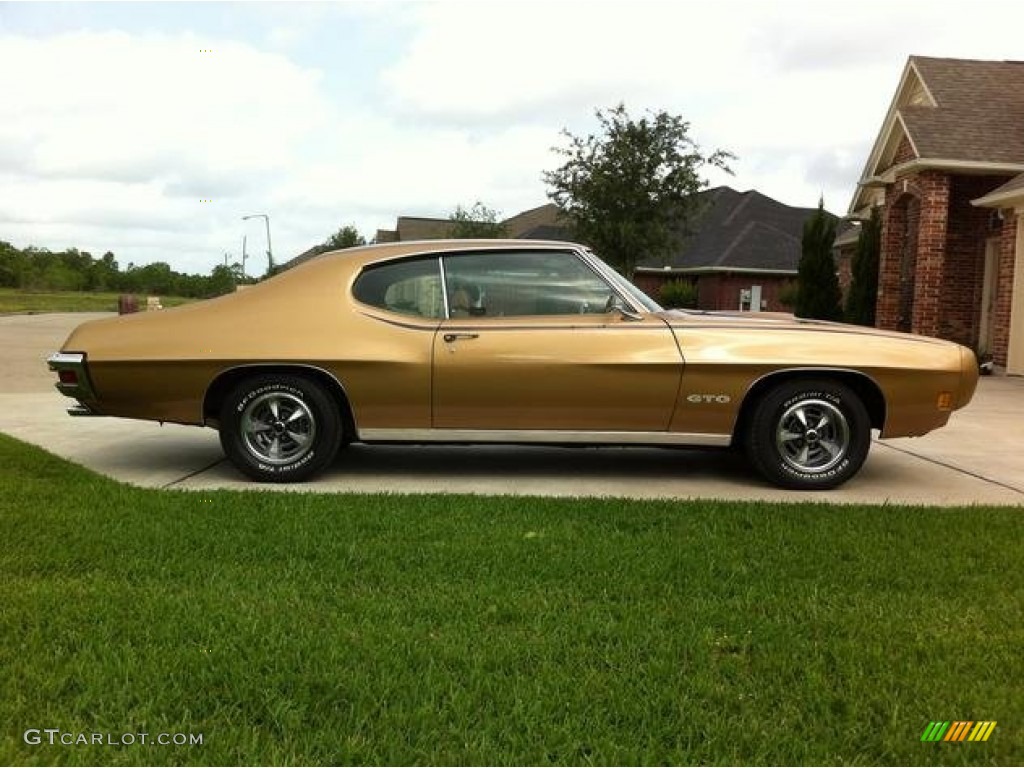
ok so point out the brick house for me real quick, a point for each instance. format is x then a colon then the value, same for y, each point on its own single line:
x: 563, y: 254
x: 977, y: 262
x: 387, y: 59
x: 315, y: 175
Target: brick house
x: 946, y: 172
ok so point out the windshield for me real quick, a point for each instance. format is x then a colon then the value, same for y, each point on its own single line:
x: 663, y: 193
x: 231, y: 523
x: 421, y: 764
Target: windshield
x: 637, y: 296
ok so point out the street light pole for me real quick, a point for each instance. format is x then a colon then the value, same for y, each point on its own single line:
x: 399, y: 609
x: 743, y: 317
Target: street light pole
x: 270, y: 250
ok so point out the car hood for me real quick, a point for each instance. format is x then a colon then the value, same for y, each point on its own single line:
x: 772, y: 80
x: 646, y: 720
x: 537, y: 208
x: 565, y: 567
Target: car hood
x: 782, y: 321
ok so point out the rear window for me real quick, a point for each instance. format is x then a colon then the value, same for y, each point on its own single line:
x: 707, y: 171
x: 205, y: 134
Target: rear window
x: 404, y: 287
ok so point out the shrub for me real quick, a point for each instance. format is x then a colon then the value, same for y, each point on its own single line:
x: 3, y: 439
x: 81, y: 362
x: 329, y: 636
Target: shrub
x: 679, y: 293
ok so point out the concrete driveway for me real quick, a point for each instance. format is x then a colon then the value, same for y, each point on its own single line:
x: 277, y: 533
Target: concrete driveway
x: 978, y: 458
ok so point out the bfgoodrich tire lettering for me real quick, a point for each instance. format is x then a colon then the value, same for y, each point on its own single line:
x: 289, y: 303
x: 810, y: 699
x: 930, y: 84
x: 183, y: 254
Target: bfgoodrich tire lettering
x: 809, y: 435
x: 280, y: 428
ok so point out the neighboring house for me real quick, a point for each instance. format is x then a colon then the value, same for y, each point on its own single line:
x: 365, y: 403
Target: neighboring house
x: 947, y: 172
x: 415, y: 228
x: 541, y: 223
x: 741, y: 245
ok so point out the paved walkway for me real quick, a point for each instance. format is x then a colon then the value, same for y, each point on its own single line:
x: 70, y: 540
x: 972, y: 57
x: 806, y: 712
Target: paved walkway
x: 978, y: 458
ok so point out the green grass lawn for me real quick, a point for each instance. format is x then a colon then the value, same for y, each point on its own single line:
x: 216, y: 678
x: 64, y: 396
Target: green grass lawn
x: 307, y: 629
x: 13, y: 300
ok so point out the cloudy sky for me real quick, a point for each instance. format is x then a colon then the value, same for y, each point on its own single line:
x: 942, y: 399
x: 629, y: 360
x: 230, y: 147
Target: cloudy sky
x: 150, y: 129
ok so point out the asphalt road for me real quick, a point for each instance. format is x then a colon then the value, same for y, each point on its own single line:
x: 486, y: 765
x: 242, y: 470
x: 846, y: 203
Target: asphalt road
x: 977, y: 458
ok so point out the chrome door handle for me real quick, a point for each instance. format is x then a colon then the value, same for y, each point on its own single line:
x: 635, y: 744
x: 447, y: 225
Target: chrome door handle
x: 453, y: 337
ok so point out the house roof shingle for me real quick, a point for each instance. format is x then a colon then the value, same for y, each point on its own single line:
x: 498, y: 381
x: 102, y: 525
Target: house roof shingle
x: 979, y: 112
x: 423, y: 228
x: 542, y: 216
x: 741, y: 231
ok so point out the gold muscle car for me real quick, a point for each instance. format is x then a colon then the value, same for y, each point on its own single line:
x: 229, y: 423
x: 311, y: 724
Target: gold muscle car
x: 506, y: 341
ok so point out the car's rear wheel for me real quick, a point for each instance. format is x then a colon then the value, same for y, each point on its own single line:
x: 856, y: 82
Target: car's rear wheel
x: 280, y: 428
x: 811, y: 434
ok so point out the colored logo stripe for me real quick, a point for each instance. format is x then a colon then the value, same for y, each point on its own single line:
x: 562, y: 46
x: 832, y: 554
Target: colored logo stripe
x: 982, y: 731
x: 958, y: 730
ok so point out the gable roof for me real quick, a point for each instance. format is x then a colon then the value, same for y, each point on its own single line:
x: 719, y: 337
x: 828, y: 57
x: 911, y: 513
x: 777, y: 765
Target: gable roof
x: 423, y: 228
x: 542, y: 216
x: 740, y: 231
x: 978, y: 114
x: 954, y: 113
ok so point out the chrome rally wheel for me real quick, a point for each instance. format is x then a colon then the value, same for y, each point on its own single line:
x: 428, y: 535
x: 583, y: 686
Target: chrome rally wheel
x: 808, y: 434
x: 280, y: 428
x: 812, y: 436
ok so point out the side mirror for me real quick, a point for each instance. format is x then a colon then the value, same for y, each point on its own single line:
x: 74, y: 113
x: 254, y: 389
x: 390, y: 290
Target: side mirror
x: 616, y: 304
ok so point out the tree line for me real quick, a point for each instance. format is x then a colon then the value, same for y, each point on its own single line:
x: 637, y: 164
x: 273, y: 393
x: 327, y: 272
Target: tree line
x: 39, y: 269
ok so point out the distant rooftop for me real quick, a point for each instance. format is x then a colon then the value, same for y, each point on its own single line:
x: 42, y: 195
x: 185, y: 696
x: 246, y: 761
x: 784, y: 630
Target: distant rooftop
x: 740, y: 231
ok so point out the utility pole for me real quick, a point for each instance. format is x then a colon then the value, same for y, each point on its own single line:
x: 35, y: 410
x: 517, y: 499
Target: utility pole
x: 244, y: 256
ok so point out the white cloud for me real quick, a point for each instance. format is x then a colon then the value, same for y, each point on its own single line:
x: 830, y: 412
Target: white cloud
x: 135, y: 131
x: 782, y: 85
x: 108, y: 140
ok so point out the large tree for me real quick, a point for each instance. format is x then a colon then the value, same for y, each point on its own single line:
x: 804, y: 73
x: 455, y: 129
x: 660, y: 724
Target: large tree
x: 630, y: 188
x: 863, y: 296
x: 818, y: 295
x: 478, y: 221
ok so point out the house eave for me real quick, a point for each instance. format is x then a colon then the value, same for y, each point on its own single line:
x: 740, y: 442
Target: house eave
x: 889, y: 124
x: 1013, y: 198
x: 940, y: 164
x: 849, y: 238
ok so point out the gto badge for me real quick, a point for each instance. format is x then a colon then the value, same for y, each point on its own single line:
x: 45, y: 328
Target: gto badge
x: 708, y: 398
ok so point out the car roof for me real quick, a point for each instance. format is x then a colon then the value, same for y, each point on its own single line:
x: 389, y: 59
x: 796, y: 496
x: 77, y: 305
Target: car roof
x: 370, y: 254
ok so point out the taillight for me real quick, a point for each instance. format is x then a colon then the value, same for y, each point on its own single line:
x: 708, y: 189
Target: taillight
x: 67, y: 377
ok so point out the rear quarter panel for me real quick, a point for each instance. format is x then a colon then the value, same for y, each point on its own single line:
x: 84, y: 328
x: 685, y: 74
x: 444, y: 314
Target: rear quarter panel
x: 158, y: 365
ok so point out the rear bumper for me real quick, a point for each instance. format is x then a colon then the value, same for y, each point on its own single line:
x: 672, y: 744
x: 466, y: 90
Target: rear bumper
x: 82, y: 410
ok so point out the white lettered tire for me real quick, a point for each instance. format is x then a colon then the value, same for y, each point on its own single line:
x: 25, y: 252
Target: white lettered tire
x: 280, y: 428
x: 809, y: 434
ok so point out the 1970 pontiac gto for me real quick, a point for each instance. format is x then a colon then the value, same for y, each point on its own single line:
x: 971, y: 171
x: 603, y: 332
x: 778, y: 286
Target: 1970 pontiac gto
x: 506, y: 341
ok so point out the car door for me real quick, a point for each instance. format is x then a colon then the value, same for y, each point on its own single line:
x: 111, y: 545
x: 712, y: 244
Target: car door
x: 531, y: 343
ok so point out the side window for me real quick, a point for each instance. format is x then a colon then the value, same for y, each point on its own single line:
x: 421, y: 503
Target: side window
x: 405, y: 287
x: 510, y: 284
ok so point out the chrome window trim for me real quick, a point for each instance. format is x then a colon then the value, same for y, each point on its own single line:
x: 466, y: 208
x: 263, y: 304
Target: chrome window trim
x: 610, y: 275
x: 370, y: 266
x: 444, y: 287
x: 593, y: 264
x: 542, y: 436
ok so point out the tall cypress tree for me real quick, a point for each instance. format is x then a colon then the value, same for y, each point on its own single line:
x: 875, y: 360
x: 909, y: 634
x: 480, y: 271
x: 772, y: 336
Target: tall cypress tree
x: 863, y: 297
x: 818, y: 294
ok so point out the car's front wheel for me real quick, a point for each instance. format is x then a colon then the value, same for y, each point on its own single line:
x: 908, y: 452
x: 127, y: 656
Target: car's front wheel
x: 809, y: 434
x: 280, y: 428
